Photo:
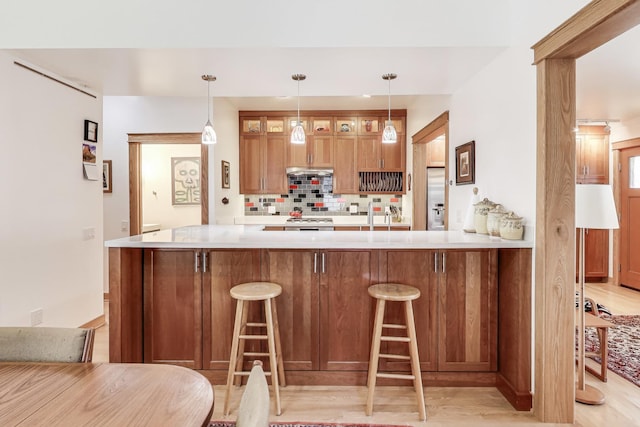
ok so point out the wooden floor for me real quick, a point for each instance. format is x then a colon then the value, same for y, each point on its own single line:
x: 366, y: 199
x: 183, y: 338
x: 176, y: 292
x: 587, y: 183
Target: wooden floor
x: 446, y: 407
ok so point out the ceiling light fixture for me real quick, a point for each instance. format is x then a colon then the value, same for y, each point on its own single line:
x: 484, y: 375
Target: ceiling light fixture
x: 389, y: 134
x: 297, y: 134
x: 208, y: 134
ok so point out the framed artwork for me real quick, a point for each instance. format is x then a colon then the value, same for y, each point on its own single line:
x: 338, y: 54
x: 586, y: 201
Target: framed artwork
x: 226, y: 175
x: 466, y: 163
x: 185, y: 181
x: 106, y: 176
x: 90, y: 131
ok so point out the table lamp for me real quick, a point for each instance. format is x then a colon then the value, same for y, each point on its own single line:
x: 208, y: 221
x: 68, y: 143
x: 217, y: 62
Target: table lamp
x: 595, y: 208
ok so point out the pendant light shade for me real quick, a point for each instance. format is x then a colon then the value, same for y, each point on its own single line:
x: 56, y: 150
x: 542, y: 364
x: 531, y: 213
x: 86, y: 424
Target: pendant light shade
x: 389, y: 134
x: 208, y: 133
x: 297, y: 134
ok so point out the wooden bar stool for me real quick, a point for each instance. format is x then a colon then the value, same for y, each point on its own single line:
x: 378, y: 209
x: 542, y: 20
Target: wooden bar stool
x: 395, y: 292
x: 244, y: 293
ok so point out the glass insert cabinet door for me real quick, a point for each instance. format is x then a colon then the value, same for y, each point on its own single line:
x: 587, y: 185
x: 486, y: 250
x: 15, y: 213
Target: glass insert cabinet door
x: 634, y: 172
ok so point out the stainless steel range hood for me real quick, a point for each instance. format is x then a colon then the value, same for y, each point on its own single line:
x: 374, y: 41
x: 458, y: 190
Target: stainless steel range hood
x: 309, y: 171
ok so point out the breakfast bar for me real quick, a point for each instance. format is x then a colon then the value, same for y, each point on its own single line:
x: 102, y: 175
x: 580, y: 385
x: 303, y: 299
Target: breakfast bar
x: 170, y: 303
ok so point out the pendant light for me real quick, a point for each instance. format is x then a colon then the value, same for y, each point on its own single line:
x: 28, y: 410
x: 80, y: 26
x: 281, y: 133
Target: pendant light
x: 389, y: 134
x: 297, y: 134
x: 208, y: 134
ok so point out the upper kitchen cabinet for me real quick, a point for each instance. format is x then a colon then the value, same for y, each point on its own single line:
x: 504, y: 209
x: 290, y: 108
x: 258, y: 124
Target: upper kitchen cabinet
x: 318, y: 149
x: 592, y: 155
x: 373, y: 155
x: 262, y: 155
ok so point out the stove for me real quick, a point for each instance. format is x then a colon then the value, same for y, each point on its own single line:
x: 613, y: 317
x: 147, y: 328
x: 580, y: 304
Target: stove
x: 309, y: 223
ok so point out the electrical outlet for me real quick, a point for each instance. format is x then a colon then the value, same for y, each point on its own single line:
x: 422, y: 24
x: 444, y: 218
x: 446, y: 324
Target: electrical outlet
x: 124, y: 225
x: 37, y: 317
x: 271, y: 209
x: 353, y: 209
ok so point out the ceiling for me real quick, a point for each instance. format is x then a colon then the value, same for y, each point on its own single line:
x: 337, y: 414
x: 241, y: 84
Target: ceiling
x: 608, y: 79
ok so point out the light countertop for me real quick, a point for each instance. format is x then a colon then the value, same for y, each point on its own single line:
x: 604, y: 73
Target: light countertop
x: 253, y: 236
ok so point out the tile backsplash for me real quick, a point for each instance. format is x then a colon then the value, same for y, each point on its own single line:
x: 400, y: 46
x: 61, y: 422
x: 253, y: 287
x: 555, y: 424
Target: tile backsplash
x: 314, y: 195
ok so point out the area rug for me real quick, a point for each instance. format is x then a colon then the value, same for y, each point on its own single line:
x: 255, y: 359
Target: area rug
x: 624, y: 346
x: 301, y: 424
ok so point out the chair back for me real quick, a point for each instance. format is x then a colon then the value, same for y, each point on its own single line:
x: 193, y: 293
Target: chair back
x: 254, y: 405
x: 35, y: 344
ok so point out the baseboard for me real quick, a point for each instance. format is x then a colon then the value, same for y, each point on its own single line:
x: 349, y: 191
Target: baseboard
x: 95, y: 323
x: 521, y: 401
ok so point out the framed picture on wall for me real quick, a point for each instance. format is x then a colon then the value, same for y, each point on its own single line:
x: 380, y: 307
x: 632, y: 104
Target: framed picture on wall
x: 185, y: 181
x: 106, y: 176
x: 466, y: 163
x: 90, y: 131
x: 226, y: 175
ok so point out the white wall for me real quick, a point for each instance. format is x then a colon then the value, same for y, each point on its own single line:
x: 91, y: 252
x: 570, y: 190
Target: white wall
x: 157, y: 186
x: 46, y: 202
x: 126, y: 114
x: 626, y: 129
x: 497, y: 109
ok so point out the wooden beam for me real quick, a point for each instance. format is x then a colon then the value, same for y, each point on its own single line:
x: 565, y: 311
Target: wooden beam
x: 165, y: 138
x: 555, y: 242
x: 432, y: 130
x: 591, y: 27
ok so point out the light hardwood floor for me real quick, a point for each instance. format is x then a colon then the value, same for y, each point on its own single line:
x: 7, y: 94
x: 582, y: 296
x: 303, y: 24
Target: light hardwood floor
x: 446, y: 407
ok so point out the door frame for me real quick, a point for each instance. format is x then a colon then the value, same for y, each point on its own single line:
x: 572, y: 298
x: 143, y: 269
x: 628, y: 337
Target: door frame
x: 439, y: 126
x: 136, y: 140
x: 555, y: 59
x: 616, y: 148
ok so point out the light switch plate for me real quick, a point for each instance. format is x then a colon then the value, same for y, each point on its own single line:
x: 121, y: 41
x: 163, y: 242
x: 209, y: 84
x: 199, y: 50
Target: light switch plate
x: 271, y: 209
x: 353, y: 208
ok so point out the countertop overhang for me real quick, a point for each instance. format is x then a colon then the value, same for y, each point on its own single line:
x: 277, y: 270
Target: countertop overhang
x: 253, y: 236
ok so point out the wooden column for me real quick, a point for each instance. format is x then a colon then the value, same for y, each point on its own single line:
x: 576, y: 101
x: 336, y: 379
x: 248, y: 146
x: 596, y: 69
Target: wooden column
x: 555, y: 242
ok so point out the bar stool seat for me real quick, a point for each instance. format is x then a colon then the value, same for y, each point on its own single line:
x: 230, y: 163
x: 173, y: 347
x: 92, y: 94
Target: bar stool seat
x: 395, y: 292
x: 245, y: 293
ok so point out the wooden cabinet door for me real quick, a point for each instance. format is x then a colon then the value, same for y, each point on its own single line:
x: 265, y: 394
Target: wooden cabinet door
x: 225, y: 269
x: 297, y: 305
x: 345, y: 176
x: 369, y: 153
x: 592, y: 155
x: 596, y: 254
x: 346, y: 310
x: 172, y: 290
x: 275, y: 176
x: 392, y: 155
x: 414, y: 268
x: 251, y: 164
x: 320, y: 150
x: 436, y: 153
x: 297, y: 154
x: 467, y: 293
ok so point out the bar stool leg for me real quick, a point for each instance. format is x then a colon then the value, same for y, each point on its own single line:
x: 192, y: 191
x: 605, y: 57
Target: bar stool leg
x: 237, y: 380
x: 234, y: 353
x: 375, y: 354
x: 283, y: 382
x: 273, y: 362
x: 415, y: 360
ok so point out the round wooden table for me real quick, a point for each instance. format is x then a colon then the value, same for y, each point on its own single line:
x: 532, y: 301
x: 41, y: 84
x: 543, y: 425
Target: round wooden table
x: 103, y: 394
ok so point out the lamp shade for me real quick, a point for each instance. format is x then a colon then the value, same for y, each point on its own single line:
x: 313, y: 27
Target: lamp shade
x: 595, y: 207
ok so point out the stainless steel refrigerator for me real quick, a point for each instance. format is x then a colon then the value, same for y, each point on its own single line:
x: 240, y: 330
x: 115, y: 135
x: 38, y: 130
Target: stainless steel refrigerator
x: 435, y: 198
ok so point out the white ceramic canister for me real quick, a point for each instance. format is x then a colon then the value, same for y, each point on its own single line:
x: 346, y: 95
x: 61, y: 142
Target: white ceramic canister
x: 511, y: 227
x: 493, y: 220
x: 481, y: 210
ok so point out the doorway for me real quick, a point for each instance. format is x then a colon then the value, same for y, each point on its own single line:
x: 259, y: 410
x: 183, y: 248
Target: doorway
x: 136, y: 193
x: 628, y: 190
x: 430, y: 159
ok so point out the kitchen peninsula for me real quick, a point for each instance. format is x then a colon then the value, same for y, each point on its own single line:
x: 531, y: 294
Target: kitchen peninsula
x: 170, y: 302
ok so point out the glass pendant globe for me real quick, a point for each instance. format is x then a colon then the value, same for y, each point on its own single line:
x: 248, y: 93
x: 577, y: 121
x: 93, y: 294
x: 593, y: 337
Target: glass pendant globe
x: 297, y: 135
x: 208, y: 134
x: 389, y: 134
